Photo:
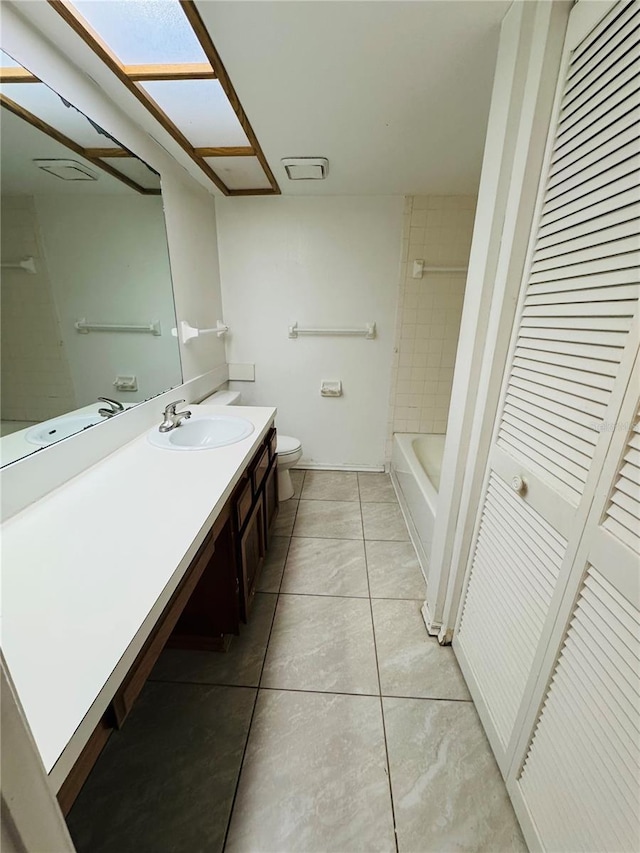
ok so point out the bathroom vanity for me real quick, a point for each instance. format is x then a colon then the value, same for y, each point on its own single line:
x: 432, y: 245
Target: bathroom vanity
x: 147, y: 547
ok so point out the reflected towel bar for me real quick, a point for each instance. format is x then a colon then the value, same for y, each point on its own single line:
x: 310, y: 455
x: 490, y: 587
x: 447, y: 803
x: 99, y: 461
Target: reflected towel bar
x: 369, y: 331
x: 84, y: 327
x: 26, y: 264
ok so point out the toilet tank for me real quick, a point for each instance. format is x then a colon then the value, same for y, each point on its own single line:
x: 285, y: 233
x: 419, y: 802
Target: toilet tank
x: 223, y: 398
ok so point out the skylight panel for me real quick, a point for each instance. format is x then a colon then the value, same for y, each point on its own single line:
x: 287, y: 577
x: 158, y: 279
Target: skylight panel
x: 142, y: 32
x: 200, y: 109
x: 240, y: 173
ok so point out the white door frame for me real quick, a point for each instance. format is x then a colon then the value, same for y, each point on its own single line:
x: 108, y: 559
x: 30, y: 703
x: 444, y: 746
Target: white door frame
x: 31, y: 818
x: 531, y: 43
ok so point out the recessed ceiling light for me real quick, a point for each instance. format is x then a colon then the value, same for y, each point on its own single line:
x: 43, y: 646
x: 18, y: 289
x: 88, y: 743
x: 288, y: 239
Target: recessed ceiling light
x: 306, y: 168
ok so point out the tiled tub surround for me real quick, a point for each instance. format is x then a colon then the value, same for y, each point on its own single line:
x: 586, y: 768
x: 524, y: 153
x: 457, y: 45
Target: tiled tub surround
x: 333, y: 718
x: 438, y: 230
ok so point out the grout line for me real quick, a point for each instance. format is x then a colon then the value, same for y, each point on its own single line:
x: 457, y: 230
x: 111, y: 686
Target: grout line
x: 366, y: 695
x: 303, y: 690
x: 264, y: 660
x: 355, y: 597
x: 393, y: 502
x: 375, y: 651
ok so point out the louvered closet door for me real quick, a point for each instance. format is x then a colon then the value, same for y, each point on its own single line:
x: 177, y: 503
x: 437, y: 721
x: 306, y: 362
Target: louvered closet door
x: 573, y: 348
x: 580, y: 779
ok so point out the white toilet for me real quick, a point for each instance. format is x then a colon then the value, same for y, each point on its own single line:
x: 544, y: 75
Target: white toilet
x: 289, y: 453
x: 289, y: 449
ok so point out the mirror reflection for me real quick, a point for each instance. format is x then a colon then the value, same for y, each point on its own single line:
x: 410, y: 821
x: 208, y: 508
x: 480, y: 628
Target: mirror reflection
x: 86, y: 298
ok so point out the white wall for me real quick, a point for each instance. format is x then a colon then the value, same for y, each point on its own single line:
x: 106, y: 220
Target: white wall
x: 189, y: 209
x: 437, y: 230
x: 330, y: 261
x: 108, y: 262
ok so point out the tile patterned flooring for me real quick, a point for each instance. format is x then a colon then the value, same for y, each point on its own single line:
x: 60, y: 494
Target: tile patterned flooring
x: 333, y: 724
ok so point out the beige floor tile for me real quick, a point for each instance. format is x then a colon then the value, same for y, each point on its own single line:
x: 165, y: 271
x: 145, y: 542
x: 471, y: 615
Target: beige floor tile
x: 240, y: 665
x: 394, y: 570
x: 166, y: 781
x: 384, y: 521
x: 271, y: 574
x: 326, y: 567
x: 297, y: 479
x: 330, y: 486
x: 448, y: 793
x: 376, y: 488
x: 283, y: 524
x: 314, y: 777
x: 411, y: 662
x: 328, y: 520
x: 321, y: 643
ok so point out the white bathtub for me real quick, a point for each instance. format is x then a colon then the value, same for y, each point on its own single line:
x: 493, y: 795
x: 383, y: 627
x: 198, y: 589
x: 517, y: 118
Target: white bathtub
x: 416, y: 461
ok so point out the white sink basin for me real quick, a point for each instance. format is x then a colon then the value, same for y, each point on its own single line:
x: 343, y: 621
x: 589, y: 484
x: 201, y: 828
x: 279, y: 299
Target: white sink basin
x: 51, y: 431
x: 203, y: 433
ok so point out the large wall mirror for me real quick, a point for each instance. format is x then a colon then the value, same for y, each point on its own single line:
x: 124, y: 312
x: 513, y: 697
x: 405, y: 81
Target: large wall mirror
x: 86, y: 298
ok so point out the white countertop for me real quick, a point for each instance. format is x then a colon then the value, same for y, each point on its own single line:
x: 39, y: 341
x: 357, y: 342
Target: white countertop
x: 87, y: 570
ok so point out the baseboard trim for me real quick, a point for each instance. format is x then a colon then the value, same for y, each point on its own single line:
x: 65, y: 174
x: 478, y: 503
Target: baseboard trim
x: 321, y: 466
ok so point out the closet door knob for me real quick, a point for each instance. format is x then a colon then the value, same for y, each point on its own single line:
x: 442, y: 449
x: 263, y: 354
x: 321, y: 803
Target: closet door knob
x: 519, y: 484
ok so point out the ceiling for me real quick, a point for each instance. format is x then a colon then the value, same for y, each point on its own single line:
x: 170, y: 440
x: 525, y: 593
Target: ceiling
x: 395, y: 94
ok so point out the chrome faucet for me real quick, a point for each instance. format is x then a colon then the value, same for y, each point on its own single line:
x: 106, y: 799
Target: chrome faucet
x: 173, y: 419
x: 114, y: 407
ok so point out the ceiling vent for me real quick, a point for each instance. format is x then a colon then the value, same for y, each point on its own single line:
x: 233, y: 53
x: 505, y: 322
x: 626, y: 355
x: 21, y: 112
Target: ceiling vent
x: 306, y: 168
x: 67, y: 170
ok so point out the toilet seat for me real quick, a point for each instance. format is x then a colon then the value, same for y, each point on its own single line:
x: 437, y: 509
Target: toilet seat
x: 287, y: 445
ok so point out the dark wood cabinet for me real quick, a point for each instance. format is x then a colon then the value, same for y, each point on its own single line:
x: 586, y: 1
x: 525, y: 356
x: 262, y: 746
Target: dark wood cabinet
x: 214, y: 594
x: 212, y: 613
x: 260, y: 493
x: 270, y: 499
x: 252, y: 551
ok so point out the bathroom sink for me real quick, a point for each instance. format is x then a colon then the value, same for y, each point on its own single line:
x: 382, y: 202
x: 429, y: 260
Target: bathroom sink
x: 62, y: 427
x: 203, y: 433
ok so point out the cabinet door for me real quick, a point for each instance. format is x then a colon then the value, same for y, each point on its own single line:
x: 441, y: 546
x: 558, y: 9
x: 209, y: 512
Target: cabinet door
x: 212, y: 611
x: 572, y: 356
x: 579, y: 782
x: 252, y: 550
x: 270, y: 499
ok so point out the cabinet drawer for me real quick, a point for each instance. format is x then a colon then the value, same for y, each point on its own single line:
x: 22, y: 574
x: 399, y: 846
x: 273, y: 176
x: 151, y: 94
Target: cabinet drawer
x: 260, y: 470
x: 272, y: 441
x: 243, y: 505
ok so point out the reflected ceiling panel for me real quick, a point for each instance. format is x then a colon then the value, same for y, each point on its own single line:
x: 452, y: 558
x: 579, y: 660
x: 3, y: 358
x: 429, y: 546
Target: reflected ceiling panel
x: 7, y: 62
x: 200, y: 109
x: 240, y: 173
x: 49, y: 107
x: 143, y: 31
x: 135, y: 169
x: 22, y: 144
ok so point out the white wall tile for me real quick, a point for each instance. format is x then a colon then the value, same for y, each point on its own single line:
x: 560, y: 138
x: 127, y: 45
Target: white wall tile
x: 438, y: 230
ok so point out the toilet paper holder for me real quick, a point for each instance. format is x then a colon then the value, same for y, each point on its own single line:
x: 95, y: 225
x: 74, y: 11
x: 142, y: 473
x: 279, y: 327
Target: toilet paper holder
x: 331, y: 388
